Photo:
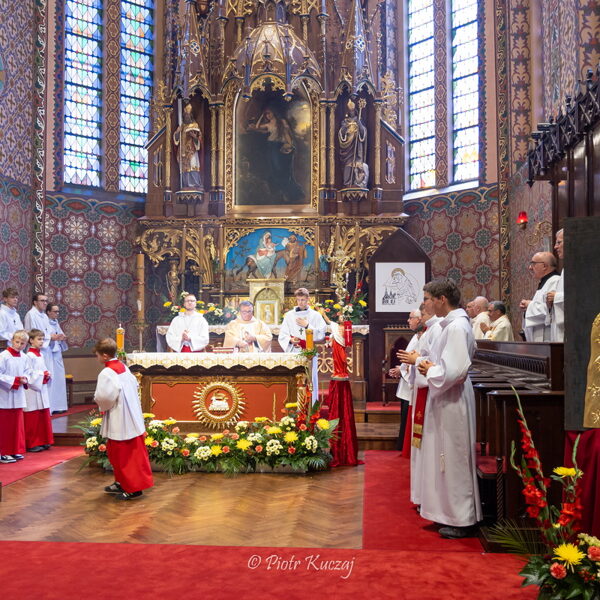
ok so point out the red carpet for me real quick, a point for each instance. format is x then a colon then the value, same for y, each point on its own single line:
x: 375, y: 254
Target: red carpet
x: 78, y: 408
x: 38, y: 461
x: 377, y: 406
x: 65, y: 571
x: 390, y: 521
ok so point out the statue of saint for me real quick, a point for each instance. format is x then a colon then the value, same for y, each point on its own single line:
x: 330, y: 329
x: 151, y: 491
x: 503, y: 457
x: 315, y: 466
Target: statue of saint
x: 352, y: 137
x: 188, y: 139
x: 172, y: 281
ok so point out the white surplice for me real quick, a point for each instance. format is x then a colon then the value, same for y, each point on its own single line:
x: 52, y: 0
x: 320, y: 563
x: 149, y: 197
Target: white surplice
x: 449, y: 492
x: 10, y: 321
x: 536, y: 321
x: 36, y: 393
x: 426, y: 342
x: 57, y: 387
x: 290, y: 328
x: 124, y: 420
x: 11, y: 367
x: 405, y: 386
x: 482, y: 317
x: 557, y: 314
x: 197, y: 329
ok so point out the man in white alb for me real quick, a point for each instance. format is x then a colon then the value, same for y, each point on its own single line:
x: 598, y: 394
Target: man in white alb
x: 292, y: 335
x: 246, y: 332
x: 57, y: 389
x: 188, y: 331
x: 10, y: 320
x: 536, y: 319
x: 36, y: 318
x: 556, y: 300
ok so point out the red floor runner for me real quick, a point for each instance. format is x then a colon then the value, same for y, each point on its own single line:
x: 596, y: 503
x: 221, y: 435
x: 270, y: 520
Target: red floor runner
x: 57, y: 571
x: 77, y: 408
x: 379, y: 406
x: 390, y: 521
x: 37, y: 461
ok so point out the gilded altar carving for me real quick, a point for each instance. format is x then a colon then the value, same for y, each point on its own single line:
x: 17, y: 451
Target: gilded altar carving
x: 218, y: 403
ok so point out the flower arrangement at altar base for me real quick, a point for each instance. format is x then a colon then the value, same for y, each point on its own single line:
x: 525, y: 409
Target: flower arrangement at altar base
x: 351, y: 309
x: 213, y: 313
x: 291, y: 442
x: 568, y: 563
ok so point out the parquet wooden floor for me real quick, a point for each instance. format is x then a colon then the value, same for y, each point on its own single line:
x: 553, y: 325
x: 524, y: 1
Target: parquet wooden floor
x: 321, y: 510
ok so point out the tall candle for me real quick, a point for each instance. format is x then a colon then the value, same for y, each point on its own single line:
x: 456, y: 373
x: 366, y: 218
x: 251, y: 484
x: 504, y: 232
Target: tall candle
x: 120, y: 338
x: 357, y: 244
x: 310, y: 344
x: 140, y: 286
x: 337, y: 237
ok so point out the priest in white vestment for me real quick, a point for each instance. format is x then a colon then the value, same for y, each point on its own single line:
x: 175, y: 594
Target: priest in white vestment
x: 477, y: 310
x: 36, y: 318
x: 500, y: 329
x: 57, y: 386
x: 10, y: 320
x: 556, y: 299
x: 292, y: 335
x: 449, y: 489
x: 536, y: 320
x: 246, y: 333
x: 188, y: 331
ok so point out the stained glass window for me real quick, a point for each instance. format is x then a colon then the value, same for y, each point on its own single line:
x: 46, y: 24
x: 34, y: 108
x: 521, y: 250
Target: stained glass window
x: 83, y: 92
x: 421, y: 98
x: 465, y: 90
x: 136, y: 90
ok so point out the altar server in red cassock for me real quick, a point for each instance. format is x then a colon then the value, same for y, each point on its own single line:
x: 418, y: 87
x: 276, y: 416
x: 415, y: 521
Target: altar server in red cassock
x: 15, y: 371
x: 122, y: 424
x: 38, y: 426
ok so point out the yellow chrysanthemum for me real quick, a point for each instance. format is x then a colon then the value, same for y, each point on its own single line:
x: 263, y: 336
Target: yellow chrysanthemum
x: 329, y: 301
x: 216, y: 450
x: 211, y: 309
x: 148, y: 440
x: 194, y: 435
x: 148, y: 415
x: 167, y: 304
x: 565, y: 471
x: 273, y: 430
x: 170, y: 421
x: 216, y: 436
x: 290, y: 436
x: 291, y: 405
x: 337, y: 306
x: 362, y: 302
x: 569, y: 553
x: 243, y: 444
x: 323, y: 424
x: 96, y: 422
x: 260, y: 419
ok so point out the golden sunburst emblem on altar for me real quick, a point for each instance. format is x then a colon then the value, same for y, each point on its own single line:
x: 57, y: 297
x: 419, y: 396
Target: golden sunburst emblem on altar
x: 218, y: 403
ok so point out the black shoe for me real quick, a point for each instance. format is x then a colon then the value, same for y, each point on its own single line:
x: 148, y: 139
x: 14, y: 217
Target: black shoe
x: 128, y: 496
x: 6, y: 458
x: 456, y: 533
x: 114, y: 488
x: 35, y: 449
x: 18, y: 456
x: 47, y: 446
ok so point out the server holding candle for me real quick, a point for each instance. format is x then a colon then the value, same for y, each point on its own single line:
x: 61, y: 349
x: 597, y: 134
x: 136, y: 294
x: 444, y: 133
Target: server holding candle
x: 300, y: 325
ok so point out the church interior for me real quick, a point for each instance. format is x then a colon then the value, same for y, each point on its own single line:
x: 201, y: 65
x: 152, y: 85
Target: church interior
x: 241, y: 151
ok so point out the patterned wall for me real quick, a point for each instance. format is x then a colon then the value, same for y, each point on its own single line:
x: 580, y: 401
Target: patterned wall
x: 89, y: 265
x: 17, y: 35
x: 16, y: 201
x: 459, y: 231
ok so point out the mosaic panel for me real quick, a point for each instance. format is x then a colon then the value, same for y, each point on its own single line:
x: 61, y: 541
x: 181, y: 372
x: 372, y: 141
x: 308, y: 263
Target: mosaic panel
x: 17, y: 36
x: 89, y: 265
x: 459, y: 231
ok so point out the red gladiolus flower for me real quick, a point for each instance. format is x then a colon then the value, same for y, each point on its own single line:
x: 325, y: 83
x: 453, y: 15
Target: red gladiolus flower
x: 594, y: 553
x: 225, y: 449
x: 185, y: 452
x: 291, y: 450
x: 558, y: 571
x: 533, y: 511
x: 564, y: 520
x: 102, y: 448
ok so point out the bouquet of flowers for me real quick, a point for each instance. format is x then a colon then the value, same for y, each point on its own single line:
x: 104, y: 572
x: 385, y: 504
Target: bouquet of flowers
x: 354, y: 309
x: 293, y: 441
x: 567, y: 563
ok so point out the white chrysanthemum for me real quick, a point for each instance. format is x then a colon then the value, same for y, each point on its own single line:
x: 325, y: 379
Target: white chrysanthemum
x: 255, y: 437
x: 310, y: 443
x: 155, y: 424
x: 203, y: 453
x: 168, y: 444
x: 241, y: 426
x: 287, y: 422
x: 273, y: 447
x: 191, y: 440
x: 91, y: 442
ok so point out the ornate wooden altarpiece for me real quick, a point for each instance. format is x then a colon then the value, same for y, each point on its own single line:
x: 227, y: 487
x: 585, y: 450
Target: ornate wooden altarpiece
x: 275, y: 149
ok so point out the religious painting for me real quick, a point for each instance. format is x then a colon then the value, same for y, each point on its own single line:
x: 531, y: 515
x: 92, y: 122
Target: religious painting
x: 271, y: 253
x: 272, y: 150
x: 399, y: 286
x: 267, y: 311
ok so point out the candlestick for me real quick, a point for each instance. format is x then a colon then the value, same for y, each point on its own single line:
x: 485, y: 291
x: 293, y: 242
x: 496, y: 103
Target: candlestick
x: 357, y: 244
x: 120, y: 338
x: 182, y: 254
x: 200, y: 258
x: 310, y: 344
x: 222, y: 246
x: 140, y: 285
